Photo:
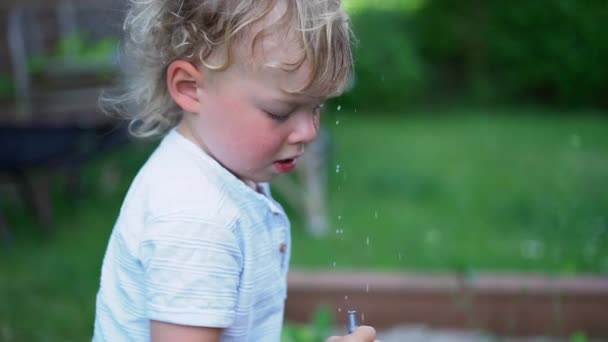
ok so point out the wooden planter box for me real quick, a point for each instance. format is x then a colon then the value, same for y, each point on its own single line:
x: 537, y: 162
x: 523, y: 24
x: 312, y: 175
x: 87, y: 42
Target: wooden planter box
x: 509, y: 305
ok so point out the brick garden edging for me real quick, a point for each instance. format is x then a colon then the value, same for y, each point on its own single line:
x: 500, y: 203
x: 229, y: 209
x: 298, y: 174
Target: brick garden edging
x: 504, y: 304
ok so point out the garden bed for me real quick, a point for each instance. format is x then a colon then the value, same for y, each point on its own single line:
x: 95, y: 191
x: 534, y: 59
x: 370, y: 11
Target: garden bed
x: 501, y: 304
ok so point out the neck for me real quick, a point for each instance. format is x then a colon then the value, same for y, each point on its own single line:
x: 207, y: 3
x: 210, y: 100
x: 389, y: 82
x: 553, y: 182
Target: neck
x: 184, y: 129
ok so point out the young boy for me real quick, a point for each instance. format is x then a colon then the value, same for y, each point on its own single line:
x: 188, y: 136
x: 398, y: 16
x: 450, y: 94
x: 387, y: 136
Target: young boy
x: 200, y: 250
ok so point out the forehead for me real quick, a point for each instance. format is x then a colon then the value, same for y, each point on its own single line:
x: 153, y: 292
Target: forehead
x: 273, y: 47
x: 282, y: 62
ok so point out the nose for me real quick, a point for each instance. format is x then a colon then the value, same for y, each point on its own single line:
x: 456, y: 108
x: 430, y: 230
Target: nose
x: 305, y: 128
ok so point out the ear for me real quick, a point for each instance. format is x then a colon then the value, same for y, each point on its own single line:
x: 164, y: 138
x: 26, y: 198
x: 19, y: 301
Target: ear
x: 183, y: 79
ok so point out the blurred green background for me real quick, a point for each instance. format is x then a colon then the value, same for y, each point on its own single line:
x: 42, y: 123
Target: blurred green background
x: 474, y: 139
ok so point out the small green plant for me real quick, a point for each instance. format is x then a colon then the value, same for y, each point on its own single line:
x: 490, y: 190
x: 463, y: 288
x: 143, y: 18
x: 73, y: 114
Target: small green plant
x: 7, y: 87
x: 78, y: 46
x: 578, y: 337
x: 75, y: 50
x: 317, y: 331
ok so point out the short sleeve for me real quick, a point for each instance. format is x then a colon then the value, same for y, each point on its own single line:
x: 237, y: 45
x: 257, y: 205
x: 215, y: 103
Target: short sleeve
x: 191, y: 272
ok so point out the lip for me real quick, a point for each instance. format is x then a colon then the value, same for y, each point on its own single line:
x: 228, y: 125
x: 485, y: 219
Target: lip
x: 285, y: 165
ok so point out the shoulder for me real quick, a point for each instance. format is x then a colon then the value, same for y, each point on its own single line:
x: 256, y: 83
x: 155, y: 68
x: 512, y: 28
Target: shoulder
x: 173, y: 182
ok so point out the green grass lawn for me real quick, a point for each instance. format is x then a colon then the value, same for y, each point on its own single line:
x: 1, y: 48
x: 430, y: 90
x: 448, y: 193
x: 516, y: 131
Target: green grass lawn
x: 427, y: 192
x: 466, y: 192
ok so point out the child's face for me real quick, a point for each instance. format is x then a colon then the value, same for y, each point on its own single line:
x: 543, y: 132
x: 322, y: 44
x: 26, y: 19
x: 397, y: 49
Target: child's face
x: 248, y: 123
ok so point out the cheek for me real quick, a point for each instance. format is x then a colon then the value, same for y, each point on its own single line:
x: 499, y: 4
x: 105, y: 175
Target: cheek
x: 232, y: 105
x: 224, y: 121
x: 247, y: 132
x: 258, y: 140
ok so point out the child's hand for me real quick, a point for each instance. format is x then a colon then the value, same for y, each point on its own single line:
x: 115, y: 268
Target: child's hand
x: 361, y: 334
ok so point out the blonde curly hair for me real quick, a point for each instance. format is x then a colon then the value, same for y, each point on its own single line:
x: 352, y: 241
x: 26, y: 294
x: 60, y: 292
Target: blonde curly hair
x: 157, y: 32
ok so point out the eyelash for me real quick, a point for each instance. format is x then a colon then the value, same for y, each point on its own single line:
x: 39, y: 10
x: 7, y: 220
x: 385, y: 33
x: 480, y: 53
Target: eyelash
x: 281, y: 118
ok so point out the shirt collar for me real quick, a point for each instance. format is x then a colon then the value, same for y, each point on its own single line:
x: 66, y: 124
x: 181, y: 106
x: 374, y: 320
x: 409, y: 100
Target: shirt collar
x: 232, y: 181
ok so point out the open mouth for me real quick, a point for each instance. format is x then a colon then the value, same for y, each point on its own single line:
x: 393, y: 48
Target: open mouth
x: 285, y: 165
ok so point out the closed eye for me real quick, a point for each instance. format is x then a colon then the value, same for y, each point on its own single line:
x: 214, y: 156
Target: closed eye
x: 281, y: 117
x: 277, y: 117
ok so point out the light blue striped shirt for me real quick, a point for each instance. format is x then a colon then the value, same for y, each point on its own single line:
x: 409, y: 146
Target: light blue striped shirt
x: 194, y: 245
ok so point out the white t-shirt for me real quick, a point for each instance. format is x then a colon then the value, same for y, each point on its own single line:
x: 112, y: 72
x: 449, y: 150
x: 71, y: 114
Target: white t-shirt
x: 194, y: 245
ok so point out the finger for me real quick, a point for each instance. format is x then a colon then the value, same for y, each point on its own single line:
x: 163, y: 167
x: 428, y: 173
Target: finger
x: 364, y: 333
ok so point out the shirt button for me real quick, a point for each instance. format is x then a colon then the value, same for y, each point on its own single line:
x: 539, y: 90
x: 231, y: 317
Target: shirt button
x: 283, y: 248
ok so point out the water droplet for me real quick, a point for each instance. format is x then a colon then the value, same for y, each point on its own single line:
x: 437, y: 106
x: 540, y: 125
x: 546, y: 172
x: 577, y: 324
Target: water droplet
x: 339, y: 107
x: 432, y: 236
x: 532, y: 249
x: 337, y: 122
x: 339, y: 217
x: 345, y: 297
x: 367, y: 288
x: 367, y: 241
x: 590, y: 250
x: 337, y: 168
x: 604, y: 264
x: 575, y: 141
x: 339, y: 309
x: 334, y: 264
x: 376, y: 214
